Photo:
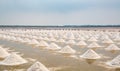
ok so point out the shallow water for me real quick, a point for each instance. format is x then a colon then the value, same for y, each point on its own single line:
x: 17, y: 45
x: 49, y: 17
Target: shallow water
x: 56, y: 61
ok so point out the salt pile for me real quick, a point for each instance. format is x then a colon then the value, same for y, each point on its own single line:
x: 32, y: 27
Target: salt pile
x: 13, y: 60
x: 70, y: 35
x: 90, y: 54
x: 94, y: 45
x: 117, y: 38
x: 54, y: 46
x: 71, y: 42
x: 68, y: 50
x: 43, y: 44
x: 26, y: 40
x: 34, y: 42
x: 52, y: 39
x: 37, y: 67
x: 81, y: 38
x: 92, y: 39
x: 3, y: 53
x: 115, y: 62
x: 61, y: 40
x: 81, y: 43
x: 46, y: 39
x: 112, y: 47
x: 107, y: 41
x: 19, y: 39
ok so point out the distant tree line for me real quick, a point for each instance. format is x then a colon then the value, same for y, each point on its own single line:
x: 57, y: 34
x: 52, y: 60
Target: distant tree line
x: 61, y: 26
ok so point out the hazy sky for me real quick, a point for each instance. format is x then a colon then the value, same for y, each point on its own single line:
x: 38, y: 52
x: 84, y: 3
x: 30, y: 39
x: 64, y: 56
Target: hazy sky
x: 59, y: 12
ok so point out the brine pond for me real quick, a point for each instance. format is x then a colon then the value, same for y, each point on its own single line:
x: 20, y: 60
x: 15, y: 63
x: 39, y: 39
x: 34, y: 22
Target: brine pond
x: 54, y: 60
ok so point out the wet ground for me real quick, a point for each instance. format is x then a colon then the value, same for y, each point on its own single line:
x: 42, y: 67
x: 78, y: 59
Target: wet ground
x: 56, y: 61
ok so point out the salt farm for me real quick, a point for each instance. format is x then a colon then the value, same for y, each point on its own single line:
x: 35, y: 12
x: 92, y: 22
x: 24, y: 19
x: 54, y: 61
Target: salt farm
x: 59, y: 49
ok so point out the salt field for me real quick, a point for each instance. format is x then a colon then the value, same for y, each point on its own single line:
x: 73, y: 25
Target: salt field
x: 65, y: 49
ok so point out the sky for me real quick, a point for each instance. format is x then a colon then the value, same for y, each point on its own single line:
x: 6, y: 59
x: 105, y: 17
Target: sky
x: 59, y: 12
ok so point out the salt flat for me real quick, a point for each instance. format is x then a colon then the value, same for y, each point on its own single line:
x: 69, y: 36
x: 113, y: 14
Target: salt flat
x: 62, y: 49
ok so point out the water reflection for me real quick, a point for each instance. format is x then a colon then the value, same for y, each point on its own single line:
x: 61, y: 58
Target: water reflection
x: 117, y: 69
x: 14, y: 68
x: 55, y: 59
x: 90, y: 61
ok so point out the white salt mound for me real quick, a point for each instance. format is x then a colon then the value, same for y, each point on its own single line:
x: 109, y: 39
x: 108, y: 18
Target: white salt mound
x: 107, y: 41
x: 52, y: 39
x: 54, y: 46
x: 43, y: 44
x: 112, y: 47
x: 61, y: 40
x: 67, y: 49
x: 94, y: 45
x: 3, y: 53
x: 90, y: 54
x: 93, y: 39
x: 34, y: 41
x: 115, y: 62
x: 81, y: 43
x: 13, y: 60
x: 37, y: 67
x: 70, y: 42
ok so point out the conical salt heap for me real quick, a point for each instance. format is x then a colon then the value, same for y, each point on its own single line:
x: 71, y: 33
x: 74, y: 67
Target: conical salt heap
x: 71, y: 42
x: 70, y: 36
x: 61, y: 40
x: 13, y: 60
x: 40, y: 37
x: 112, y: 47
x: 3, y: 53
x: 90, y: 54
x: 115, y: 62
x: 43, y: 44
x: 13, y: 38
x: 104, y: 36
x: 54, y: 46
x: 117, y: 38
x: 107, y: 41
x: 52, y: 39
x: 46, y: 39
x: 81, y: 38
x: 19, y: 39
x: 34, y: 42
x: 93, y: 45
x: 92, y: 39
x: 68, y: 50
x: 26, y: 40
x: 37, y: 67
x: 81, y: 43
